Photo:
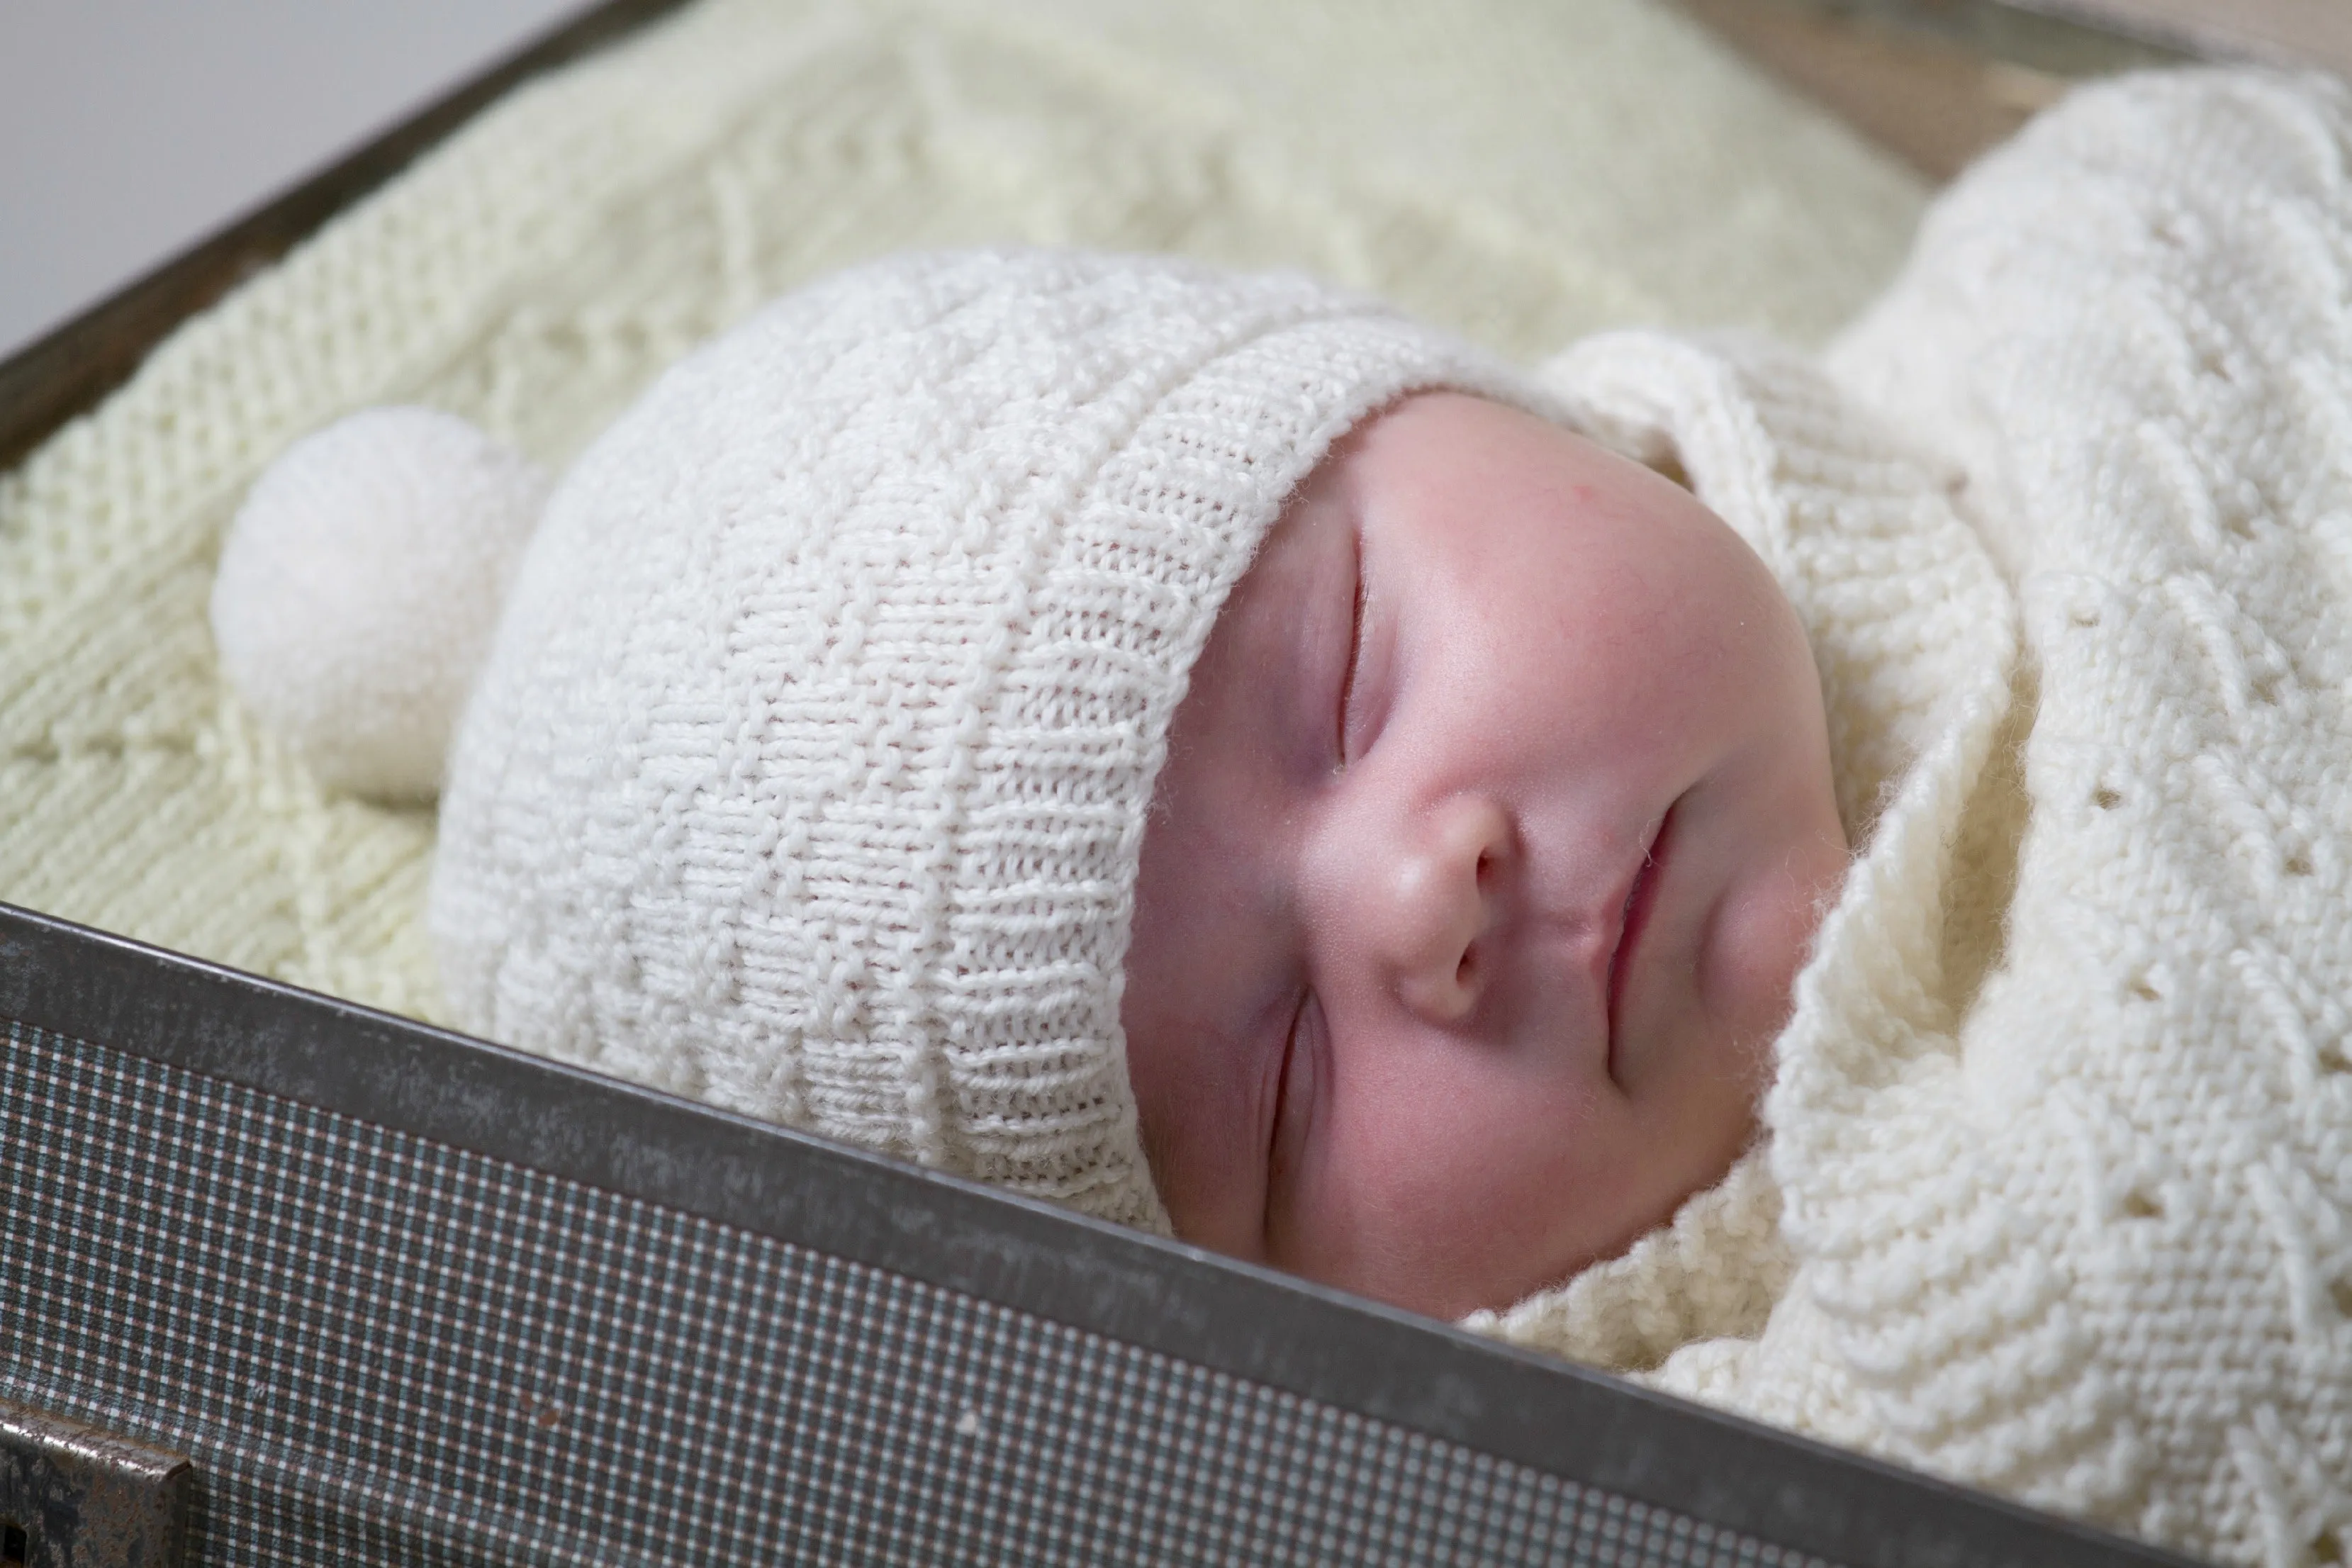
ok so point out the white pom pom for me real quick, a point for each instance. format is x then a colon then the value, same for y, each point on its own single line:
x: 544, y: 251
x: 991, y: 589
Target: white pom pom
x: 361, y: 585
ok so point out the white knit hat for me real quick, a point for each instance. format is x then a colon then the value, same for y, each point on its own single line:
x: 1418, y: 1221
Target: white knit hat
x: 808, y: 767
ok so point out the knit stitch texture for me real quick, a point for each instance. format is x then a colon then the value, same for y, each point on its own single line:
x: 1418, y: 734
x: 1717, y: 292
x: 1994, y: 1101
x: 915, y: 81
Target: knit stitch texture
x: 1602, y: 161
x: 808, y: 772
x: 2061, y: 1141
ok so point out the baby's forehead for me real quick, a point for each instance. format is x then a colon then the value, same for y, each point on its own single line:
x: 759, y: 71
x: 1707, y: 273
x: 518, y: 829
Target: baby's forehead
x: 1465, y: 442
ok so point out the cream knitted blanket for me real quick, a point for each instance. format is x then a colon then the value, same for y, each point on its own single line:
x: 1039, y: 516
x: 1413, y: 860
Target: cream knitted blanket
x: 2058, y: 1196
x: 1523, y: 170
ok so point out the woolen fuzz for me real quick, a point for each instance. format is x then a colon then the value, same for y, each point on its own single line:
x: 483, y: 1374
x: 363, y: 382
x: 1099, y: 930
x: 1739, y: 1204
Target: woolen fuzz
x: 810, y: 765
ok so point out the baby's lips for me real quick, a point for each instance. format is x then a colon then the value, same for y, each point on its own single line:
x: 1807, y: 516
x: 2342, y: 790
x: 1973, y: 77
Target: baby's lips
x: 1642, y: 896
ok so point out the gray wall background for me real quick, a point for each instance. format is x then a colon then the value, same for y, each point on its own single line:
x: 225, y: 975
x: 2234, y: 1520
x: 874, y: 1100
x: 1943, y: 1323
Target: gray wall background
x: 131, y: 128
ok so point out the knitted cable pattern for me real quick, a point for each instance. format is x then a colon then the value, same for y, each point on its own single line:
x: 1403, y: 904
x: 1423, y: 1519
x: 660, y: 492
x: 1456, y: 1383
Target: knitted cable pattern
x: 536, y: 272
x: 1914, y: 633
x: 808, y: 771
x: 2082, y: 1231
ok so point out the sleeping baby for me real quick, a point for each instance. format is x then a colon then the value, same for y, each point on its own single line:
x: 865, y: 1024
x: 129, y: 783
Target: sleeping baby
x: 1821, y: 886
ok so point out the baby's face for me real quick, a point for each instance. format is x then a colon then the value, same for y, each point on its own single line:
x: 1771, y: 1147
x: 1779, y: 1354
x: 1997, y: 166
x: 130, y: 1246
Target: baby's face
x: 1495, y: 825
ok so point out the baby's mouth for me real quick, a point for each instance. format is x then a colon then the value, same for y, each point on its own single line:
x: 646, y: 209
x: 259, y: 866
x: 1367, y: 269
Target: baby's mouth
x: 1633, y: 919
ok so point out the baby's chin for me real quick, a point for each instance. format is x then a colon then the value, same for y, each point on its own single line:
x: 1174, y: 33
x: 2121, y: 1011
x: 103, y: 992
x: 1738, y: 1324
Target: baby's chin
x: 1538, y: 1237
x: 1695, y: 1087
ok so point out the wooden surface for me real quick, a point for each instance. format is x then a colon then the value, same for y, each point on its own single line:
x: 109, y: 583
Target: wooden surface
x: 1935, y: 82
x: 2307, y: 32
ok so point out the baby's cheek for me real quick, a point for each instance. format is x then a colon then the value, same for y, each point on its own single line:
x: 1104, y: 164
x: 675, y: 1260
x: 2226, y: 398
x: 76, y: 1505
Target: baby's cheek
x: 1443, y: 1191
x: 1193, y: 1122
x: 1763, y: 933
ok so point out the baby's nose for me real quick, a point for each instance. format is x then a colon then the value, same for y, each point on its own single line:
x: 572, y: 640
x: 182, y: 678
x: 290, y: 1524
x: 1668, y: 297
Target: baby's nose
x: 1432, y: 922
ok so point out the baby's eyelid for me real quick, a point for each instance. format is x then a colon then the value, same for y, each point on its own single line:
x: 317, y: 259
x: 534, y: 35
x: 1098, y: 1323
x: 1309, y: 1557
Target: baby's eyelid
x: 1349, y: 681
x: 1278, y: 1110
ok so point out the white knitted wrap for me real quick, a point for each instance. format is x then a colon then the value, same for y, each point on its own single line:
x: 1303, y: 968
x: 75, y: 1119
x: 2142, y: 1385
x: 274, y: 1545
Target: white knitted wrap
x: 809, y: 768
x: 2058, y: 1199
